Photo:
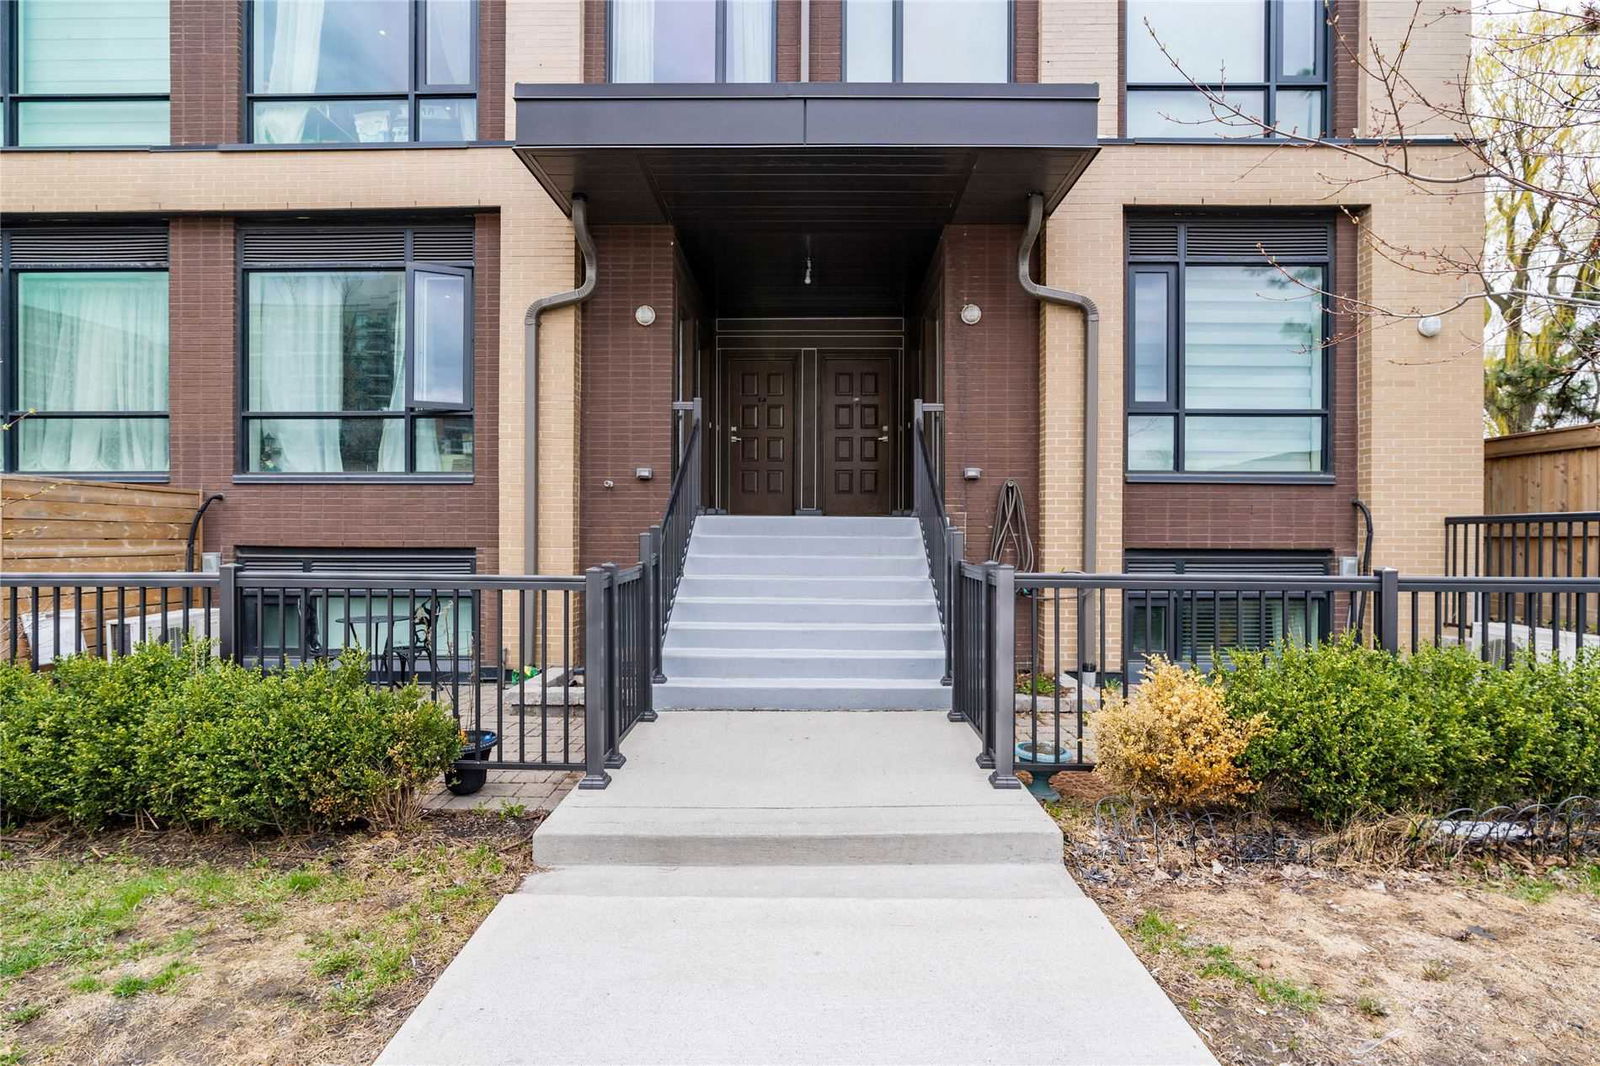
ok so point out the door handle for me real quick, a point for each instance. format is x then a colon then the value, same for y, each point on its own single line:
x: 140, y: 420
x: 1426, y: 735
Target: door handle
x: 735, y: 440
x: 884, y: 438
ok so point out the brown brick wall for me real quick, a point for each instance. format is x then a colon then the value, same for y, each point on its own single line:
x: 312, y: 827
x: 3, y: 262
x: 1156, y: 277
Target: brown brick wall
x: 204, y: 406
x: 1025, y: 42
x: 1266, y: 517
x: 594, y: 41
x: 827, y: 40
x: 1345, y: 77
x: 788, y: 59
x: 207, y: 52
x: 626, y: 385
x: 491, y: 70
x: 991, y: 382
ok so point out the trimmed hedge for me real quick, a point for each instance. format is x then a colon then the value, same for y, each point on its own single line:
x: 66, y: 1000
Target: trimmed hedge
x: 1353, y: 730
x: 179, y: 737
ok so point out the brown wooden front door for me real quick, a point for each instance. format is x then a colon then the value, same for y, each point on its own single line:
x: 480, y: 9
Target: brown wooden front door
x: 761, y: 434
x: 857, y: 438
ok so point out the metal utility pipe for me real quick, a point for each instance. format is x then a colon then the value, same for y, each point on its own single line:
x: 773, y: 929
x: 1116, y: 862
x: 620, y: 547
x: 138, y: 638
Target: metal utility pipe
x: 1091, y: 377
x: 194, y: 528
x: 530, y: 383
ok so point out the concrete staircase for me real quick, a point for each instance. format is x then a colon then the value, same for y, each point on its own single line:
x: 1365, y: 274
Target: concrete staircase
x: 804, y: 613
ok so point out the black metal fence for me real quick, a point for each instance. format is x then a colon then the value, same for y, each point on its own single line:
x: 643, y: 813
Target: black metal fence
x: 665, y: 546
x: 561, y: 694
x: 1029, y: 695
x: 1557, y: 544
x: 943, y: 543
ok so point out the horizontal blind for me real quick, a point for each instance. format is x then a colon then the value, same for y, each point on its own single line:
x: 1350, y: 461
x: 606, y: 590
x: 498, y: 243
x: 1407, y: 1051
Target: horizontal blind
x: 46, y: 246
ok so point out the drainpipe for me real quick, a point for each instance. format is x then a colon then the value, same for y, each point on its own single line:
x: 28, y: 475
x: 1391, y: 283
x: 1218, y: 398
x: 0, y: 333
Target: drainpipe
x: 530, y: 384
x: 194, y: 529
x: 1091, y: 388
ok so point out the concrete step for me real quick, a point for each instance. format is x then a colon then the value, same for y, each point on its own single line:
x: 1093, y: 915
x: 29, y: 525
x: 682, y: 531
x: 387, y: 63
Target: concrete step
x: 706, y: 564
x: 809, y: 588
x: 776, y: 693
x: 798, y: 525
x: 799, y: 543
x: 713, y: 608
x: 823, y: 665
x: 828, y: 636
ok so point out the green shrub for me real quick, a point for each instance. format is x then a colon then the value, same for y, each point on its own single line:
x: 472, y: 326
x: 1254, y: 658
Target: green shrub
x: 1357, y: 730
x: 184, y: 738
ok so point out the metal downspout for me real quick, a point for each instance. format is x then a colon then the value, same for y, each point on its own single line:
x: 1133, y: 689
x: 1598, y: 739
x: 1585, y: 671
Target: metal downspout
x: 530, y: 384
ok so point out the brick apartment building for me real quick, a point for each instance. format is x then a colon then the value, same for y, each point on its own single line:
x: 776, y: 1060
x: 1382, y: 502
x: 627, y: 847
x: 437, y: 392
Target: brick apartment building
x: 285, y: 250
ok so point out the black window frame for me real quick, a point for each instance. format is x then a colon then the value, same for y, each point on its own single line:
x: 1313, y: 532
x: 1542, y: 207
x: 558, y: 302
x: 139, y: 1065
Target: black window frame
x: 1285, y: 565
x: 10, y: 363
x: 1321, y: 80
x: 411, y: 413
x: 418, y: 92
x: 12, y: 96
x: 721, y: 47
x: 1175, y: 405
x: 898, y: 58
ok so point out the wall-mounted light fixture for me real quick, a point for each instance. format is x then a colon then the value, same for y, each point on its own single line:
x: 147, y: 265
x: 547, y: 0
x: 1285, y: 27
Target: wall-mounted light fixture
x: 645, y: 315
x: 1431, y: 326
x: 644, y: 473
x: 971, y: 314
x: 972, y: 473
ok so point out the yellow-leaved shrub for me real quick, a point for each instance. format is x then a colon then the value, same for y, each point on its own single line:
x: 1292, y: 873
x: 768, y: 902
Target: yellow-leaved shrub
x: 1172, y: 741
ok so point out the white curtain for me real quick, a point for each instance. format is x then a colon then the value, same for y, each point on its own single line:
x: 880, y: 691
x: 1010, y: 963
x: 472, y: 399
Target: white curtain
x: 633, y: 39
x: 93, y: 342
x: 749, y: 40
x: 296, y: 56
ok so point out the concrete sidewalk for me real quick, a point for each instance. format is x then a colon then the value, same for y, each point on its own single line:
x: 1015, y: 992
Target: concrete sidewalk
x: 894, y: 909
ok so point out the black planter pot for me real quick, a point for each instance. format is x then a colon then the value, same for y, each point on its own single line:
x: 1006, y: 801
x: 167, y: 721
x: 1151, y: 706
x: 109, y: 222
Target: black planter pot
x: 465, y: 780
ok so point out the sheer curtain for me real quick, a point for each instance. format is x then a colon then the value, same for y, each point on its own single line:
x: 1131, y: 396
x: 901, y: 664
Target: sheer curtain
x: 633, y: 40
x: 749, y: 40
x: 296, y: 43
x: 297, y: 364
x: 93, y: 342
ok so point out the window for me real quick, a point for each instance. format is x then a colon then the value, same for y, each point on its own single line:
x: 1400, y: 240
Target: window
x: 1227, y: 371
x: 358, y: 351
x: 1197, y: 626
x: 363, y: 71
x: 1266, y: 58
x: 84, y: 374
x: 692, y: 40
x: 79, y: 73
x: 927, y: 40
x: 408, y: 633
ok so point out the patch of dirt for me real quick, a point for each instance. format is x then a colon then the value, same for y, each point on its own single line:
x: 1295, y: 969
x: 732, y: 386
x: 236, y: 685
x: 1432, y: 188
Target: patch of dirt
x: 251, y: 992
x: 1444, y: 968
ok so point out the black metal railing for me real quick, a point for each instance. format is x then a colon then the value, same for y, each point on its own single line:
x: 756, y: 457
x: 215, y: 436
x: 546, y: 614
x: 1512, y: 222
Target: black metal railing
x: 944, y: 544
x: 665, y: 546
x: 560, y: 694
x: 1552, y: 544
x: 1082, y: 637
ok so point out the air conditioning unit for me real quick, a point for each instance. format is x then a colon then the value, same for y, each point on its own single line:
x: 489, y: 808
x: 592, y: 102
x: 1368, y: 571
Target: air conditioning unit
x: 122, y: 635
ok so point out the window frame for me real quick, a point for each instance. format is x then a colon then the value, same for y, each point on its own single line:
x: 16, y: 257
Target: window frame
x: 898, y: 46
x: 721, y: 48
x: 1176, y: 405
x: 11, y: 366
x: 1321, y: 80
x: 12, y: 96
x: 418, y: 92
x: 411, y: 413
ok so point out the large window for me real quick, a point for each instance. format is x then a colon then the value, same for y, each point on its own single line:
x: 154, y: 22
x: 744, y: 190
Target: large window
x: 363, y: 71
x: 1227, y: 371
x: 84, y: 73
x: 84, y: 375
x: 927, y: 40
x: 692, y: 40
x: 1267, y: 60
x: 358, y: 351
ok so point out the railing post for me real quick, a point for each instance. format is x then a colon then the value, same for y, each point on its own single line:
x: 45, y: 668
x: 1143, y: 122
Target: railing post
x: 1003, y: 672
x: 228, y: 612
x: 650, y: 557
x: 1389, y: 609
x: 597, y: 673
x: 955, y: 548
x: 614, y: 681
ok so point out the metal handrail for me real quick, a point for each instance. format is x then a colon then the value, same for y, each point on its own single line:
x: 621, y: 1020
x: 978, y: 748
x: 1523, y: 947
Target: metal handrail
x: 665, y: 546
x: 942, y: 542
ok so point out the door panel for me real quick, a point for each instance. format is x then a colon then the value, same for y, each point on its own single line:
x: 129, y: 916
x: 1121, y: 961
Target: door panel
x: 857, y: 434
x: 761, y: 435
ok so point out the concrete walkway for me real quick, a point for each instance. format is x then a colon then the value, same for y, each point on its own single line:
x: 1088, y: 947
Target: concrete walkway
x: 794, y: 887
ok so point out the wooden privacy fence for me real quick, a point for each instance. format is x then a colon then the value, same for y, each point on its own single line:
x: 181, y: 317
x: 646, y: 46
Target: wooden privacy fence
x: 1547, y: 470
x: 53, y: 525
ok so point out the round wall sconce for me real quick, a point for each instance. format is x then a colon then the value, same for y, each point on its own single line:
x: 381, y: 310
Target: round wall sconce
x: 1430, y: 326
x: 971, y: 313
x: 645, y: 315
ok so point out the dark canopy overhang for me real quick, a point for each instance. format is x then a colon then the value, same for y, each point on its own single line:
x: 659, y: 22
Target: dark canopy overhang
x: 806, y: 154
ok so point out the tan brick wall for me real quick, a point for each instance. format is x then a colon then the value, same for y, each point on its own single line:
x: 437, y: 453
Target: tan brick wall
x: 536, y: 258
x: 1418, y: 452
